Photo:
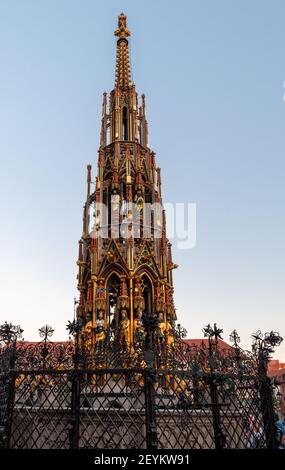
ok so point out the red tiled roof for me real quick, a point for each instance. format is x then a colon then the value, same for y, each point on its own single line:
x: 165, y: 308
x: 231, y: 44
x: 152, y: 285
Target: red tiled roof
x: 204, y: 342
x: 277, y: 373
x: 276, y: 368
x: 191, y: 342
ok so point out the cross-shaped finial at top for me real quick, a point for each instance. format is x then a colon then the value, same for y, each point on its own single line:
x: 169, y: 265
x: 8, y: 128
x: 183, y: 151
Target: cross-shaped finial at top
x: 122, y: 31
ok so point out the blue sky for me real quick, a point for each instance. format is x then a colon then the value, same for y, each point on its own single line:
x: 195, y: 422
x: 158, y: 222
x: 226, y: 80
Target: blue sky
x: 213, y: 76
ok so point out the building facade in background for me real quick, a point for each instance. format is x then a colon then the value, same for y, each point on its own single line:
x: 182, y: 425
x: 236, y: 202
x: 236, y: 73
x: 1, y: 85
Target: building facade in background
x: 276, y: 371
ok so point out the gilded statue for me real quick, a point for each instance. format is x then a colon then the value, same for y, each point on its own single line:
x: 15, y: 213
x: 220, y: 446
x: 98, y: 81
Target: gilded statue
x: 124, y: 331
x: 88, y: 333
x: 100, y: 330
x: 161, y: 328
x: 139, y: 331
x: 169, y: 334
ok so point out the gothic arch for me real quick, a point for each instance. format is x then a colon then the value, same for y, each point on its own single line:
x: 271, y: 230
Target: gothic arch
x: 148, y: 291
x: 144, y: 268
x: 114, y: 268
x: 125, y: 123
x: 112, y: 286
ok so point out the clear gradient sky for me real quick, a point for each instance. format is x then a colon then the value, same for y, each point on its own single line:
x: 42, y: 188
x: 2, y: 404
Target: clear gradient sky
x: 213, y: 74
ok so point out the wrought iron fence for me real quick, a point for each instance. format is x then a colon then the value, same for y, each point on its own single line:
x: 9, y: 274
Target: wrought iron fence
x: 55, y: 395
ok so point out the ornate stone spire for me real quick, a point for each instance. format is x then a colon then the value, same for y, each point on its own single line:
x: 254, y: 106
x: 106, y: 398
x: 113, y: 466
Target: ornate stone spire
x: 127, y: 264
x: 123, y: 69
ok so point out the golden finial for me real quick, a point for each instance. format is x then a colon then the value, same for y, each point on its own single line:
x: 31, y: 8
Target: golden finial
x: 122, y: 31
